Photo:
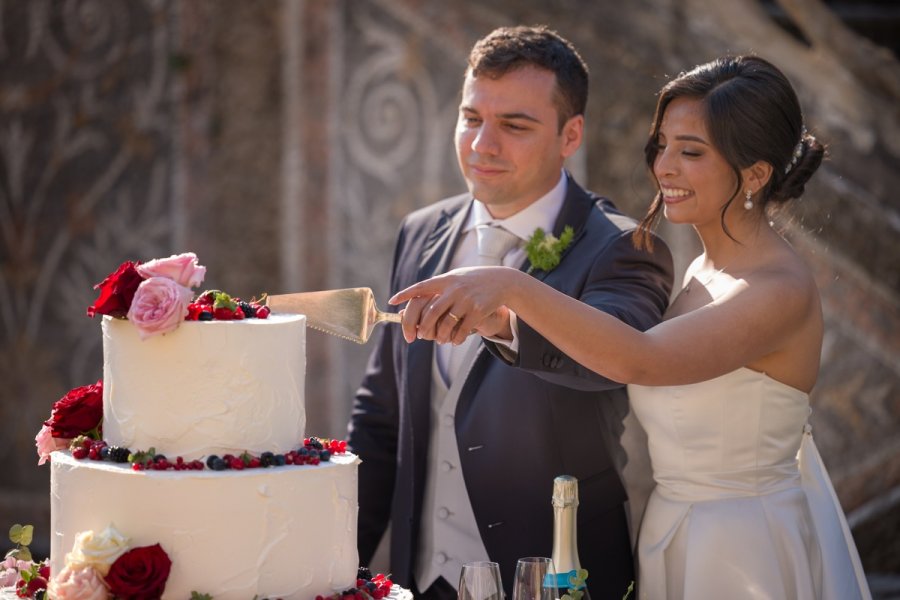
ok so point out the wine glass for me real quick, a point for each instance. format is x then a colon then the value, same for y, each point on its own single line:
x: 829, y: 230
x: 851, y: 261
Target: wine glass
x: 535, y: 579
x: 480, y: 581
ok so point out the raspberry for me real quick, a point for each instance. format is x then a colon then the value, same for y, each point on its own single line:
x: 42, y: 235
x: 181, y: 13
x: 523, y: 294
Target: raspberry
x: 80, y: 453
x: 237, y: 464
x: 223, y: 314
x: 262, y: 312
x: 37, y: 584
x: 44, y: 571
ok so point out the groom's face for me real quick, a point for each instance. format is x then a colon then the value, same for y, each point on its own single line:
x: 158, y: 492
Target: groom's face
x: 508, y: 141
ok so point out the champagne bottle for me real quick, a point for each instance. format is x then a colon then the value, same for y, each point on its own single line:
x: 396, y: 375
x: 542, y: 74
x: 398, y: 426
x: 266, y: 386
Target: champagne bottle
x: 565, y: 541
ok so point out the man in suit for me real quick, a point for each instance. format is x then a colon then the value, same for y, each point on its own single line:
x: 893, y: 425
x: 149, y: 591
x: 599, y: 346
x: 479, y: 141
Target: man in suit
x: 460, y: 445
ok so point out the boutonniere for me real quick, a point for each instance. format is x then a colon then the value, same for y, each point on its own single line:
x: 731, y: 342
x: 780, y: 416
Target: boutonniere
x: 545, y: 250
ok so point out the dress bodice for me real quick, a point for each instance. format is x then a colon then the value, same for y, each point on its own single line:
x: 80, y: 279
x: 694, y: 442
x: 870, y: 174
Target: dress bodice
x: 743, y: 507
x: 736, y: 434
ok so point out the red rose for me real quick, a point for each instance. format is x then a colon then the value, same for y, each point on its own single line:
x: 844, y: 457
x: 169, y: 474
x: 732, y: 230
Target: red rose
x: 140, y: 574
x: 78, y: 412
x: 117, y: 291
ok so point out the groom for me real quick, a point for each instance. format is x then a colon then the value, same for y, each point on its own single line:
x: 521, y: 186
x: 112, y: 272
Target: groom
x: 460, y: 445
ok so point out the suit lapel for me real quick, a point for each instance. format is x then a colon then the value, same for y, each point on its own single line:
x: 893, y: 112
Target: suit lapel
x: 574, y: 212
x: 435, y: 257
x: 441, y: 243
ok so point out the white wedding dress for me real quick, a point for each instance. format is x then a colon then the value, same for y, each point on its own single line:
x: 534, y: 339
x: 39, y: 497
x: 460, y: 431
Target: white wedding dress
x: 743, y: 506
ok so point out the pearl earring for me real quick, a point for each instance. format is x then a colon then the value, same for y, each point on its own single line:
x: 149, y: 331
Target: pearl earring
x: 748, y: 203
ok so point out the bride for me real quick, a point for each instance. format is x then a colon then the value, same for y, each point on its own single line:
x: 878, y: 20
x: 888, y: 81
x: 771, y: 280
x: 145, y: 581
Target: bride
x: 742, y: 506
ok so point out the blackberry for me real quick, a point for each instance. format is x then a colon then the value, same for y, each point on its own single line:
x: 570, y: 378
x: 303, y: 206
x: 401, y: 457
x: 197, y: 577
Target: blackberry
x: 364, y: 573
x: 248, y: 309
x: 118, y: 454
x: 266, y: 459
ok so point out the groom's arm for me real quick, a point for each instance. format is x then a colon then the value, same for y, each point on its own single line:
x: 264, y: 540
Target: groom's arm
x: 632, y: 285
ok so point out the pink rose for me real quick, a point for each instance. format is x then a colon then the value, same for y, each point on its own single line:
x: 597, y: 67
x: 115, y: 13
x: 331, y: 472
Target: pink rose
x: 46, y: 443
x: 182, y: 268
x: 159, y: 306
x: 77, y: 584
x: 9, y: 573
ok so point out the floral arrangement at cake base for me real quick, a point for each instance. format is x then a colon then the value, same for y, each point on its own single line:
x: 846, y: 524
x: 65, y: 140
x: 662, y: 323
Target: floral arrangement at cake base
x: 18, y: 569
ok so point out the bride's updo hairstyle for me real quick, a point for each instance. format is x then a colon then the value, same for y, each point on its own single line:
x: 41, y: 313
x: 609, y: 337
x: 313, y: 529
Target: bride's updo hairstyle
x: 752, y: 114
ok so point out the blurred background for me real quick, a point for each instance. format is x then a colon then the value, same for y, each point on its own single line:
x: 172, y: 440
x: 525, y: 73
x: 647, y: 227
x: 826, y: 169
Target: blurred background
x: 283, y: 141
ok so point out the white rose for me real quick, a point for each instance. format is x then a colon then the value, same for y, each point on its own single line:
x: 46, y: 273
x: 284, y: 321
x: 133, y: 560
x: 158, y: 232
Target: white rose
x: 99, y: 551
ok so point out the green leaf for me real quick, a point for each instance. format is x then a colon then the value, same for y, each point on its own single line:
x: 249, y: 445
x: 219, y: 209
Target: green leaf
x: 23, y: 553
x: 223, y: 300
x: 21, y: 534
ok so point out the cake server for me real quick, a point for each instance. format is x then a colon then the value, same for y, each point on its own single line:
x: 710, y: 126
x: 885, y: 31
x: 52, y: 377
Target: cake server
x: 349, y: 313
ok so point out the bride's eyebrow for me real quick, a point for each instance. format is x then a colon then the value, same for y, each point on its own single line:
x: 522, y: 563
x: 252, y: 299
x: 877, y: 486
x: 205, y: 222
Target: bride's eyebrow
x: 691, y: 138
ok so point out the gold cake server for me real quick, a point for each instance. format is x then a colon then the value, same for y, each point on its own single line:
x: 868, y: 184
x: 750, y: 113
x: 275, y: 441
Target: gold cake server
x: 349, y: 313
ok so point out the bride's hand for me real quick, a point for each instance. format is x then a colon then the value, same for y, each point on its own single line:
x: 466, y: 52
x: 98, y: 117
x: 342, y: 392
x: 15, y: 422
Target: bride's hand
x: 449, y: 307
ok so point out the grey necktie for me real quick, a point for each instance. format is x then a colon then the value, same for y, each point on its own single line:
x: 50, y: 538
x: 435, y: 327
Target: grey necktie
x: 494, y: 242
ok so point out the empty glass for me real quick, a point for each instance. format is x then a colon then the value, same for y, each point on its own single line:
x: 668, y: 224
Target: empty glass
x: 535, y: 579
x: 480, y: 581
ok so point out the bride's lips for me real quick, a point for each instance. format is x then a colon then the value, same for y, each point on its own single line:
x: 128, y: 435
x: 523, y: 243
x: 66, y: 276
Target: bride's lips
x: 672, y: 195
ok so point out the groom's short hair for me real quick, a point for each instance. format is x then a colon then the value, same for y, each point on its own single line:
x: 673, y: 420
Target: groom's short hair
x: 508, y: 48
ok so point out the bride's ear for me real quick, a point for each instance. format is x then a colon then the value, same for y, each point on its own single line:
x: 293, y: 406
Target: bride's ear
x: 757, y: 175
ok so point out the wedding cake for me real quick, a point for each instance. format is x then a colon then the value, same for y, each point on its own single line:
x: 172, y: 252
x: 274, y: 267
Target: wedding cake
x: 198, y: 482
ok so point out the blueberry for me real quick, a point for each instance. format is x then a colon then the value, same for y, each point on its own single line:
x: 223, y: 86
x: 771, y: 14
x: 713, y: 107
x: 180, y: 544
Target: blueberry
x: 104, y: 453
x: 324, y: 455
x: 205, y: 315
x: 279, y: 460
x: 218, y: 464
x: 303, y: 451
x: 212, y: 458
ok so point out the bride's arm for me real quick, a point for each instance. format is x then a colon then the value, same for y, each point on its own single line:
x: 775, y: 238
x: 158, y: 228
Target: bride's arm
x: 752, y: 320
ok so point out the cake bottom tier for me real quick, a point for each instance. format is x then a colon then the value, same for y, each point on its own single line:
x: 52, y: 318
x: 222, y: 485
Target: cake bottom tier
x: 287, y: 532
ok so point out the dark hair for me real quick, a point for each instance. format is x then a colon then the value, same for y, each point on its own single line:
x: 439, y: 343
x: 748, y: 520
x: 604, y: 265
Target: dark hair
x: 508, y: 48
x: 752, y: 114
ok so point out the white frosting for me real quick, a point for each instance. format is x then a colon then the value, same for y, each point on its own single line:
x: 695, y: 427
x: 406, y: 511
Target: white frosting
x: 209, y: 387
x: 287, y: 532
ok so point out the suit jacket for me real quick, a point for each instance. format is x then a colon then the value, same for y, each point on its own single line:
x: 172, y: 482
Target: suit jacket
x: 518, y: 425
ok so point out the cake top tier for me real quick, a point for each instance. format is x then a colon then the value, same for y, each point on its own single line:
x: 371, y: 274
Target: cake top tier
x: 206, y: 388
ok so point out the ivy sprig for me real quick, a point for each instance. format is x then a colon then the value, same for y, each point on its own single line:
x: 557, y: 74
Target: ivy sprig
x: 21, y: 536
x: 544, y: 250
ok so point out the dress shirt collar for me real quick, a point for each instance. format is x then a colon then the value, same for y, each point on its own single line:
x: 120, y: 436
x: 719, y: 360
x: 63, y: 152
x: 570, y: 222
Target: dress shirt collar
x: 540, y: 213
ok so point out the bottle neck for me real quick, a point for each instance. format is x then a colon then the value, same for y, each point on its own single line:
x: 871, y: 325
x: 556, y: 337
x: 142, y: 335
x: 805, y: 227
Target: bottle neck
x: 565, y: 542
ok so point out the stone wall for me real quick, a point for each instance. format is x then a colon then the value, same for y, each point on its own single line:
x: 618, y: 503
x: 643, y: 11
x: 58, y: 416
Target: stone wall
x: 283, y: 141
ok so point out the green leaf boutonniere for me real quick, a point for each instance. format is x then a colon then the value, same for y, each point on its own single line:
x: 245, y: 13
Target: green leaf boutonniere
x: 545, y: 250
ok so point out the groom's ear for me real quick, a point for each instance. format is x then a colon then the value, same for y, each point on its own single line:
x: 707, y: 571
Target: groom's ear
x: 572, y: 135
